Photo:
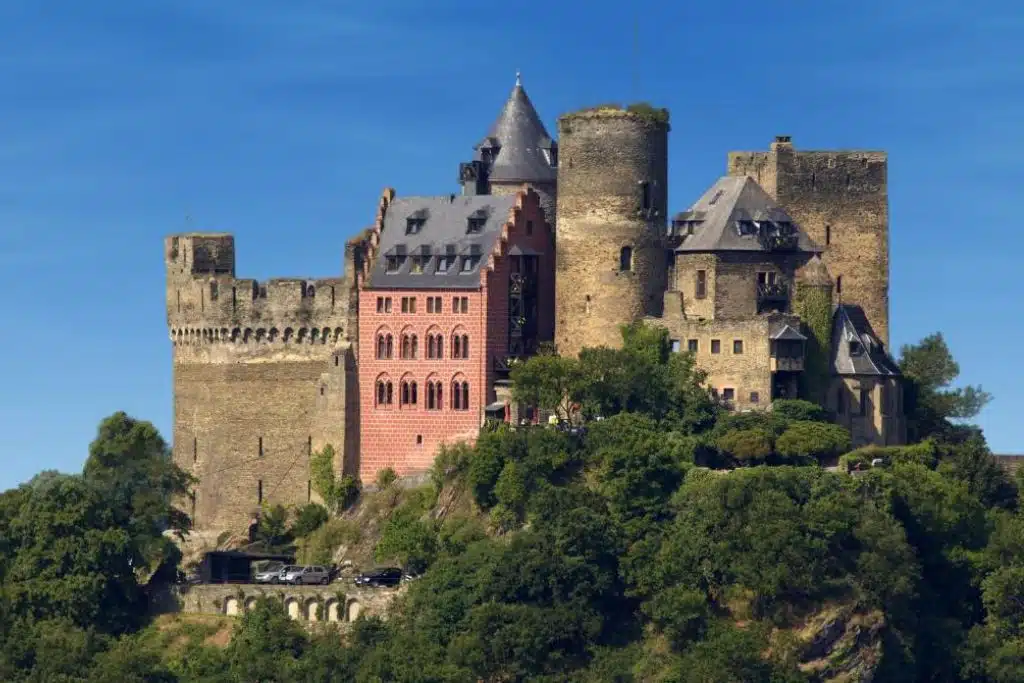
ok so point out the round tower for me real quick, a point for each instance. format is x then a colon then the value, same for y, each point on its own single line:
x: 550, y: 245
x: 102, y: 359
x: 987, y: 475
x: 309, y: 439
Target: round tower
x: 812, y: 301
x: 611, y: 208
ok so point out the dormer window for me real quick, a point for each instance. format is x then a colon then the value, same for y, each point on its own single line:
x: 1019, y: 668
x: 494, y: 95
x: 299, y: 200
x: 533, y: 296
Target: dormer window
x: 470, y: 262
x: 856, y: 348
x: 746, y: 227
x: 475, y: 225
x: 414, y: 225
x: 394, y: 264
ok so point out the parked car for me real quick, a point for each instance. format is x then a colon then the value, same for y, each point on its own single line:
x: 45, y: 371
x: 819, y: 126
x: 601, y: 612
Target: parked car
x: 289, y: 572
x: 269, y: 574
x: 308, y: 575
x: 387, y: 576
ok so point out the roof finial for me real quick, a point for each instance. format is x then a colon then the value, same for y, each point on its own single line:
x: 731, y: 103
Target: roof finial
x: 519, y: 79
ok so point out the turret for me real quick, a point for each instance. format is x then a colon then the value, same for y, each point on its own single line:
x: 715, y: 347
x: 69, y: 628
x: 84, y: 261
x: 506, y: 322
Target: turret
x: 612, y: 196
x: 516, y: 151
x: 813, y: 303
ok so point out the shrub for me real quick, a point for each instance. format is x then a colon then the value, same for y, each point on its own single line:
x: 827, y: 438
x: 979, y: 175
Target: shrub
x: 817, y: 440
x: 804, y: 411
x: 320, y: 546
x: 386, y: 477
x: 749, y: 446
x: 308, y: 519
x: 451, y: 463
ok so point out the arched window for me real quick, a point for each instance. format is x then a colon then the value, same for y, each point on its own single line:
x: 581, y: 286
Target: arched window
x: 434, y: 396
x: 390, y: 394
x: 383, y: 393
x: 456, y: 346
x: 413, y: 398
x: 439, y: 346
x: 389, y: 342
x: 626, y: 259
x: 406, y: 346
x: 456, y: 396
x: 415, y: 348
x: 405, y: 393
x: 431, y: 349
x: 382, y: 347
x: 465, y: 346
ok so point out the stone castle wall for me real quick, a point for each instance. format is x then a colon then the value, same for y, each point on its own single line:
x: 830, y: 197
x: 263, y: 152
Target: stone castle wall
x: 840, y: 198
x: 605, y: 158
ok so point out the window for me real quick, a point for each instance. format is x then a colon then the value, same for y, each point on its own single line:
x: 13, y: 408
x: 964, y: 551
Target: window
x: 692, y: 345
x: 768, y: 278
x: 529, y: 227
x: 414, y: 225
x: 737, y: 346
x: 460, y: 304
x: 728, y: 395
x: 385, y: 346
x: 475, y: 225
x: 434, y: 304
x: 444, y: 263
x: 409, y: 397
x: 460, y: 395
x: 383, y: 304
x: 435, y: 346
x: 393, y: 264
x: 195, y: 449
x: 309, y: 446
x: 626, y: 259
x: 645, y: 196
x: 419, y: 264
x: 856, y: 348
x: 434, y: 396
x: 675, y: 345
x: 839, y: 284
x: 460, y: 346
x: 259, y: 445
x: 755, y: 397
x: 865, y: 399
x: 828, y: 235
x: 470, y: 262
x: 259, y: 491
x: 419, y: 439
x: 408, y: 304
x: 701, y: 286
x: 309, y: 490
x: 380, y: 304
x: 716, y: 346
x: 385, y: 393
x: 410, y: 344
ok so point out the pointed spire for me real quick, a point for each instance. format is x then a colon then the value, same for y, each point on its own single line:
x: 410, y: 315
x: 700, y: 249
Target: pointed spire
x: 524, y: 147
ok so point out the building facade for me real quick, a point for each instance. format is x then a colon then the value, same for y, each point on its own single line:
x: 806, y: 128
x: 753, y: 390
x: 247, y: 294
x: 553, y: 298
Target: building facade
x: 775, y: 279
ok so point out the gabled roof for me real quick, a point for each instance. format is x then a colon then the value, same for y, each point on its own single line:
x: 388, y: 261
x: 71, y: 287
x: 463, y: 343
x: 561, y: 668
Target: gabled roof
x: 785, y: 332
x: 720, y: 210
x: 442, y: 235
x: 856, y: 350
x: 521, y: 138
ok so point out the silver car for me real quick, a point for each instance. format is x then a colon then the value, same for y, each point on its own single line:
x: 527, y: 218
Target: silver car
x: 307, y: 575
x: 269, y: 574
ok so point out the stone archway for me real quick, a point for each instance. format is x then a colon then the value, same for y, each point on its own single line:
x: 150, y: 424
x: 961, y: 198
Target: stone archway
x: 354, y: 610
x: 232, y: 606
x: 332, y: 611
x: 250, y: 604
x: 313, y: 610
x: 293, y: 608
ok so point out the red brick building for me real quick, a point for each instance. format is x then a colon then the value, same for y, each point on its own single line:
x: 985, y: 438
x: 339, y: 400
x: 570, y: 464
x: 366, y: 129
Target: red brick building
x: 456, y: 285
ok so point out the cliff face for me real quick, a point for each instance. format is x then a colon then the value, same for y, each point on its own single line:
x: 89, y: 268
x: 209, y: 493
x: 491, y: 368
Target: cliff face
x: 840, y: 645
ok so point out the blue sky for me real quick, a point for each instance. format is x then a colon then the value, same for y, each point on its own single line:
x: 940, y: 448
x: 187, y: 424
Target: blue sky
x: 282, y: 121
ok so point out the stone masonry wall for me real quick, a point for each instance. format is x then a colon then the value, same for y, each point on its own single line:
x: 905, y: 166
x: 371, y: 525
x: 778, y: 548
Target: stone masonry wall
x: 881, y: 420
x: 259, y: 372
x: 335, y: 603
x: 840, y: 198
x: 605, y: 156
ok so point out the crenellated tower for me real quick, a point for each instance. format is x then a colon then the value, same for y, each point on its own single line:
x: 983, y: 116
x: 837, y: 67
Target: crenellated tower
x: 263, y: 375
x: 840, y: 198
x: 516, y: 151
x: 612, y: 208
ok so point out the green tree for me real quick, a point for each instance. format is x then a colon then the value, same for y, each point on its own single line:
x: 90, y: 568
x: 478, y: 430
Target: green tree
x: 547, y: 381
x: 266, y: 644
x: 804, y: 440
x: 932, y: 401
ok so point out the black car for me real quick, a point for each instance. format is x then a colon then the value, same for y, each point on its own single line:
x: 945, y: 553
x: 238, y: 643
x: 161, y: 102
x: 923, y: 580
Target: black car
x: 389, y: 576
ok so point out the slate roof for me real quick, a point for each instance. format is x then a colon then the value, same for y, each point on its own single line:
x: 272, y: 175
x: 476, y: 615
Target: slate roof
x: 781, y: 331
x: 720, y: 210
x: 522, y: 140
x: 442, y: 236
x: 851, y: 332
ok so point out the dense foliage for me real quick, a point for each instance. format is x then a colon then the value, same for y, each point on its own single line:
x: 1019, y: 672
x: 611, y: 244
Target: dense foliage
x: 669, y: 541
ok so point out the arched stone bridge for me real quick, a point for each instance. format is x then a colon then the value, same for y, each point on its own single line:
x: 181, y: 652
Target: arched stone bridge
x: 336, y: 603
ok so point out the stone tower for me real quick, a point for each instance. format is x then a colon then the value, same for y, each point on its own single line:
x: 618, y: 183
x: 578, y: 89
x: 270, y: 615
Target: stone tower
x: 516, y: 151
x: 263, y: 377
x: 612, y: 195
x: 840, y: 198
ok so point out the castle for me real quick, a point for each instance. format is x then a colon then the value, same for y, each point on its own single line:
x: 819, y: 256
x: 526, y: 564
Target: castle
x: 776, y: 279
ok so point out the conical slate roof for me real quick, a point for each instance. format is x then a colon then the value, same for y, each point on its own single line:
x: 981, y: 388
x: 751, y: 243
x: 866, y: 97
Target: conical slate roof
x: 525, y: 150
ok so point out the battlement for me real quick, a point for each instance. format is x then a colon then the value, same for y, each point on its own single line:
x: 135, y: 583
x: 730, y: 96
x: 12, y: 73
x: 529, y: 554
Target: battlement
x: 204, y: 294
x: 640, y: 111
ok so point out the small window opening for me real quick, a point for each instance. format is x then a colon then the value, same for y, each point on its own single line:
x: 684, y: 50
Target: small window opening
x: 737, y: 346
x: 839, y: 284
x: 260, y: 446
x: 701, y: 288
x: 828, y: 235
x: 716, y: 346
x: 626, y: 259
x: 645, y: 196
x: 195, y: 449
x: 259, y: 491
x: 475, y: 225
x: 692, y: 345
x: 419, y: 439
x: 755, y: 397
